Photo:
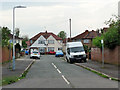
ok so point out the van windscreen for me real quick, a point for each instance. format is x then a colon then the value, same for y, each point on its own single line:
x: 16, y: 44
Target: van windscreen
x: 76, y: 49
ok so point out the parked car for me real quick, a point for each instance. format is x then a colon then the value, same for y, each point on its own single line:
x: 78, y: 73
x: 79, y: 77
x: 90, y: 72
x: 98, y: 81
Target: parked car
x: 59, y: 53
x: 51, y: 52
x: 35, y: 54
x: 26, y: 52
x: 75, y: 52
x: 42, y: 52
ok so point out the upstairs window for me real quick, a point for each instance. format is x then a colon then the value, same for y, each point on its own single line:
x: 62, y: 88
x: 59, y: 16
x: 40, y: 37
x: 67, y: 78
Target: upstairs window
x: 50, y: 41
x: 41, y: 41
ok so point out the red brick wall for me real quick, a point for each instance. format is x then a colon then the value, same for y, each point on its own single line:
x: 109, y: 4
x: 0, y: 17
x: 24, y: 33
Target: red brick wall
x: 110, y: 56
x: 5, y: 54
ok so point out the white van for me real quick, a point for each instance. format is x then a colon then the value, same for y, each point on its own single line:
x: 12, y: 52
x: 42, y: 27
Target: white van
x: 75, y: 52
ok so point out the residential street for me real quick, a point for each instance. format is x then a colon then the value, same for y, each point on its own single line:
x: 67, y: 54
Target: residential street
x: 52, y: 72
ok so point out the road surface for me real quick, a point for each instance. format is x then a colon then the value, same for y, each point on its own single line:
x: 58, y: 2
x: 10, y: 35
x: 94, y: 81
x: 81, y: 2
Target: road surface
x: 52, y: 72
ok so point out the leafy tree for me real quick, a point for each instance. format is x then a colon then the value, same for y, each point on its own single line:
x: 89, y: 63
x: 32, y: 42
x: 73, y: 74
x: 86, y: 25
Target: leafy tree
x: 112, y: 37
x: 97, y: 41
x: 25, y: 38
x: 5, y: 36
x: 62, y: 35
x: 17, y: 32
x: 17, y: 47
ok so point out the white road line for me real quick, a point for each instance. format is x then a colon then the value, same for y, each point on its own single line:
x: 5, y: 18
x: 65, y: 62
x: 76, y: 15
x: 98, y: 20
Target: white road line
x: 65, y: 80
x: 54, y: 65
x: 58, y: 71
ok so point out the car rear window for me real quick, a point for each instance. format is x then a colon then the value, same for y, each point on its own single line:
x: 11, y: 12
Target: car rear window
x: 35, y: 52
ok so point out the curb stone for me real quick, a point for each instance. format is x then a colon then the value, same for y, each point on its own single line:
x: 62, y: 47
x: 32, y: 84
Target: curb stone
x: 98, y: 72
x: 27, y: 67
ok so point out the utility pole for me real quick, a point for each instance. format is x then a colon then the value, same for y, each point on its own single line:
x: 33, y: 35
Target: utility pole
x: 102, y: 42
x: 70, y: 28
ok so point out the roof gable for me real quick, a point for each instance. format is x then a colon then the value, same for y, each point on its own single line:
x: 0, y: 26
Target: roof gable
x: 80, y: 36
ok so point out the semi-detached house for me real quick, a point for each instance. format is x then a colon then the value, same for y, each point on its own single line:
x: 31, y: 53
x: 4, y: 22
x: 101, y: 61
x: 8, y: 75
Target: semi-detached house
x: 45, y: 42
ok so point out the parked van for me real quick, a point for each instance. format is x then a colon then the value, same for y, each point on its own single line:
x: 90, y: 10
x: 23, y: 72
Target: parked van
x: 75, y: 52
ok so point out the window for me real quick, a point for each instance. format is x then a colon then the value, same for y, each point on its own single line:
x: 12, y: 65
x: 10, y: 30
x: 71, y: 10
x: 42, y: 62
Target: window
x: 31, y: 41
x: 41, y: 41
x: 50, y: 41
x: 50, y: 49
x: 86, y: 41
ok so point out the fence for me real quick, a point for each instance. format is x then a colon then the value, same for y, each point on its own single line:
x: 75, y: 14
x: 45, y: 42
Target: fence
x: 5, y: 54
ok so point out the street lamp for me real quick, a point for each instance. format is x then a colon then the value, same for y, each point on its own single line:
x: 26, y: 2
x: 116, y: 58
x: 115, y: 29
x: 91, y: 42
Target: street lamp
x: 13, y: 68
x: 102, y: 42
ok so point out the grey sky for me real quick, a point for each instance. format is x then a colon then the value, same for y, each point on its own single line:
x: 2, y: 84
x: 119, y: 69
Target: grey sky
x: 53, y: 15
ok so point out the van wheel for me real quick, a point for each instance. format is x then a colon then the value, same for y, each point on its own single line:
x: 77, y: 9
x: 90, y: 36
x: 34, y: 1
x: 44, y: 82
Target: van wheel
x: 85, y: 60
x: 71, y: 62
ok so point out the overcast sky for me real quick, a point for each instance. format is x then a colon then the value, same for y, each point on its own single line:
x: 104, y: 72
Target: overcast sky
x: 53, y: 15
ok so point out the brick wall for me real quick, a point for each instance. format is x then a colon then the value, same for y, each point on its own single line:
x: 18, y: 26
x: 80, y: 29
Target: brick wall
x: 110, y: 56
x: 5, y: 54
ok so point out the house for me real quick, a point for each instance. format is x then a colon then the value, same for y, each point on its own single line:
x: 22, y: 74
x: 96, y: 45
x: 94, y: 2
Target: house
x: 86, y: 37
x: 17, y: 39
x: 87, y: 40
x: 45, y: 42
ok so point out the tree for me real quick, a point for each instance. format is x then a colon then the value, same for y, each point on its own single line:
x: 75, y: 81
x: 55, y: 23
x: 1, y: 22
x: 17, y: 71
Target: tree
x: 17, y: 32
x: 25, y: 38
x: 5, y: 36
x: 97, y: 41
x: 62, y: 35
x: 112, y: 37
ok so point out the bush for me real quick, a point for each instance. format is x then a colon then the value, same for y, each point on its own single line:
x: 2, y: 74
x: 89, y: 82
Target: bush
x: 97, y: 41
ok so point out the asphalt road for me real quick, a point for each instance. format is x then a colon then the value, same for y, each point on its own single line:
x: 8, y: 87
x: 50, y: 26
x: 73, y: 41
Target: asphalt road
x: 52, y: 72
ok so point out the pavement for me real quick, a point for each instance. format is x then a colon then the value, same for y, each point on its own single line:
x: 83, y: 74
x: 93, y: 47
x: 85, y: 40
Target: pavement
x: 109, y: 69
x: 20, y: 65
x: 53, y: 72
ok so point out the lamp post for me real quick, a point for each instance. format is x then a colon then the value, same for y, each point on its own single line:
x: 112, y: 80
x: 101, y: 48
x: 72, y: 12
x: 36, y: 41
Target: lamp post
x: 13, y: 67
x: 102, y: 42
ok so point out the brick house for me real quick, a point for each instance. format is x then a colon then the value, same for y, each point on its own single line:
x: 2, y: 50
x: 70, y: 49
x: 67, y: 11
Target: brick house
x: 86, y: 37
x: 46, y: 41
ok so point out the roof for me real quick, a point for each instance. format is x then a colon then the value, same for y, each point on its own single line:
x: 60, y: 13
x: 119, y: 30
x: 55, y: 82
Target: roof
x: 80, y: 36
x: 66, y: 39
x: 16, y: 37
x: 92, y: 34
x: 45, y: 35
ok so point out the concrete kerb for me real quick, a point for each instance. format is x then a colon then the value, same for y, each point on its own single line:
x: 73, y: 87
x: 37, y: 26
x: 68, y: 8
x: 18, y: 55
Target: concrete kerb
x: 28, y: 67
x: 97, y: 72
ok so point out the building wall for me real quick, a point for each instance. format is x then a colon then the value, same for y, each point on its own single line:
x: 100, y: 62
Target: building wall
x: 110, y: 56
x: 35, y: 44
x: 57, y: 44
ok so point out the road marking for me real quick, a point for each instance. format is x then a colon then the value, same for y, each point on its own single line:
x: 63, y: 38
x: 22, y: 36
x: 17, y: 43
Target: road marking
x: 61, y: 74
x: 65, y: 80
x: 54, y: 65
x: 58, y: 71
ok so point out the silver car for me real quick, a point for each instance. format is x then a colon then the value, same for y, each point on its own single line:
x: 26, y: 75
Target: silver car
x: 35, y: 54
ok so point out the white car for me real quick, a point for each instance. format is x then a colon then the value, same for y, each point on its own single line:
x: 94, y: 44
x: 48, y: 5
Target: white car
x: 35, y: 54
